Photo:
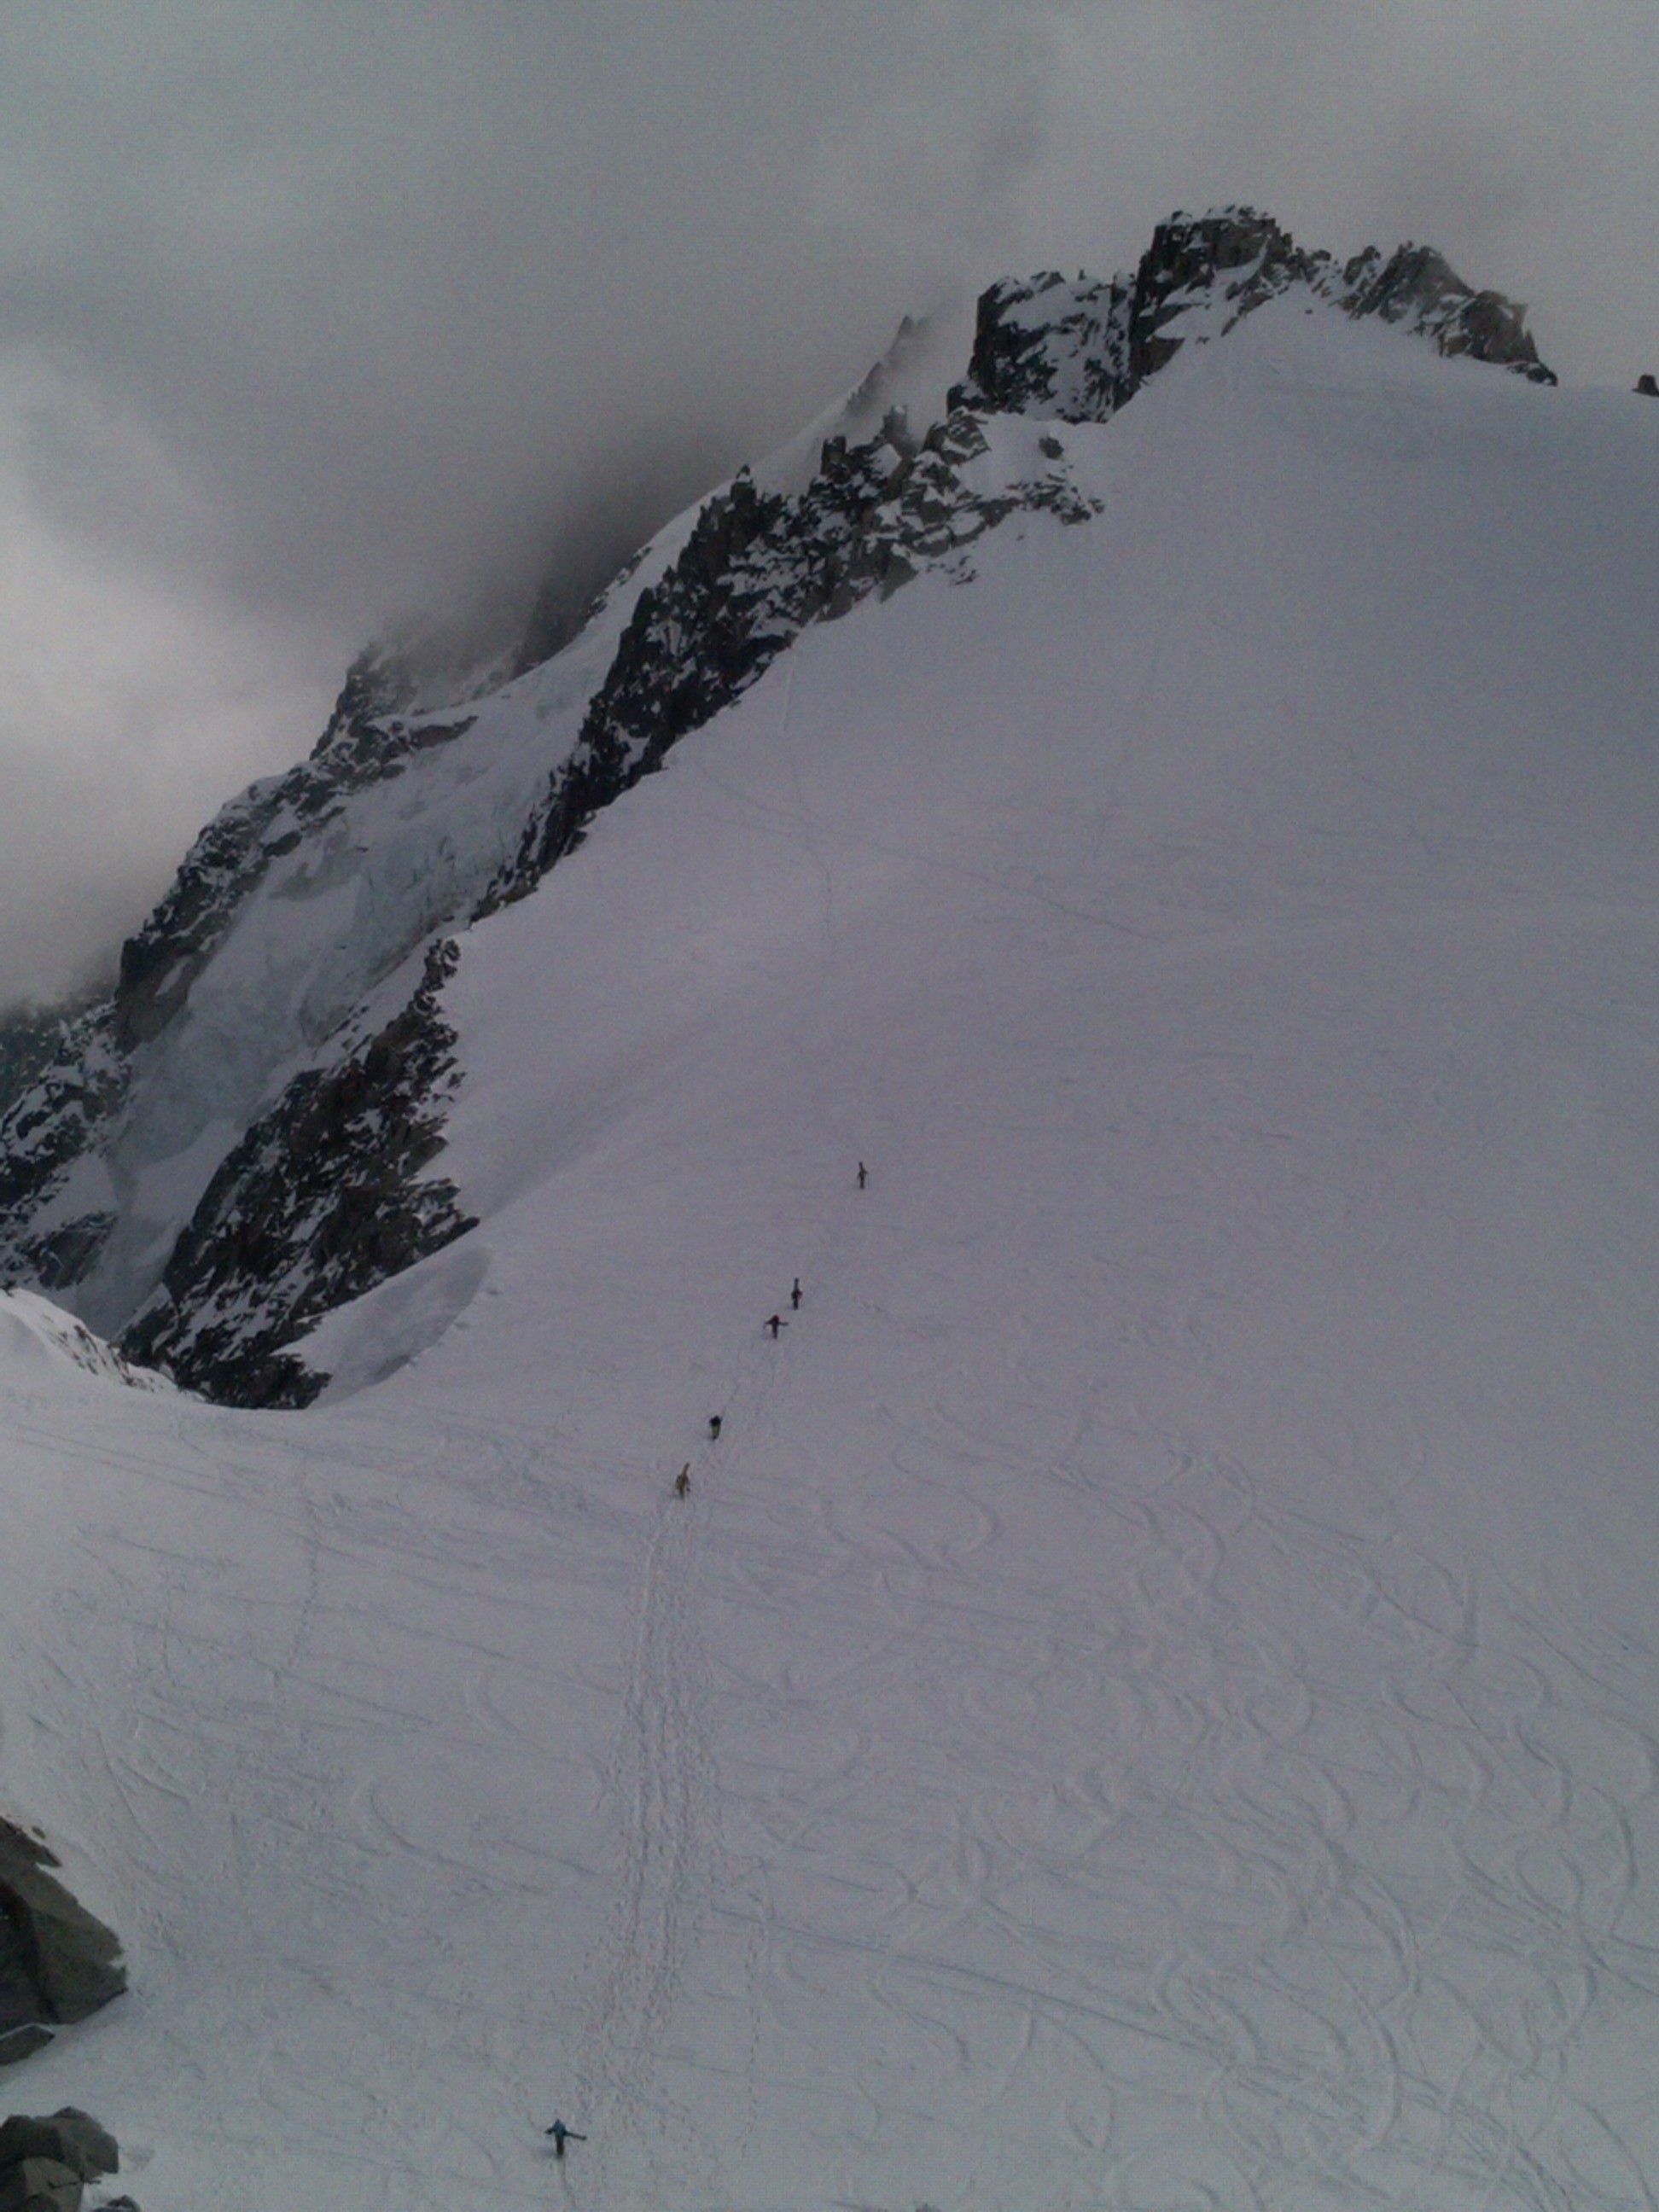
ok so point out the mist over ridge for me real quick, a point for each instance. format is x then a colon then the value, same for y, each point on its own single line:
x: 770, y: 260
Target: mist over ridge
x: 326, y: 323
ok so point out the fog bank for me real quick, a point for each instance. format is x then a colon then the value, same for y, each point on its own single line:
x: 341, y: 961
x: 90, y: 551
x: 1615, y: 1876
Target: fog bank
x: 317, y: 319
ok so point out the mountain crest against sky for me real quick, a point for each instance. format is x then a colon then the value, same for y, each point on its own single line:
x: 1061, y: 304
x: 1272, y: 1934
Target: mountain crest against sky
x: 244, y: 1135
x: 1077, y: 352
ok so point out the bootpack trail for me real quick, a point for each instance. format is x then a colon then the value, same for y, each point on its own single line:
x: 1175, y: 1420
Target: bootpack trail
x: 662, y: 1780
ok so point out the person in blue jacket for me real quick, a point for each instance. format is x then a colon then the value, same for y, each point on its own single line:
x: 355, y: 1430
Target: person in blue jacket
x: 562, y: 2135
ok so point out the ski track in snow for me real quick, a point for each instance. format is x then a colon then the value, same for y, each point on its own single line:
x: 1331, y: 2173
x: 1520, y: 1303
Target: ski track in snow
x: 1355, y: 2006
x: 662, y: 1778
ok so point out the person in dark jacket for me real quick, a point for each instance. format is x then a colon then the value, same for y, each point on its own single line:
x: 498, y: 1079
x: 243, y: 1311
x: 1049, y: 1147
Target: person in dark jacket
x: 562, y: 2135
x: 775, y: 1322
x: 864, y: 1175
x: 794, y: 1295
x: 715, y: 1427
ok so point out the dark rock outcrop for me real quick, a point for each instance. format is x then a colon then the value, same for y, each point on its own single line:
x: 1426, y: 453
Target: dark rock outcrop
x: 364, y: 742
x: 1418, y: 288
x: 46, y: 2163
x: 57, y: 1963
x: 321, y: 1200
x: 1049, y: 348
x: 756, y: 571
x: 63, y: 1115
x: 73, y: 2137
x: 1077, y: 352
x: 40, y: 2185
x: 31, y: 1039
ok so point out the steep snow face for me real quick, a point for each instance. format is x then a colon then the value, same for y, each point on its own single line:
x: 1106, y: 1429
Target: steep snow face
x: 1150, y: 1700
x: 1076, y: 353
x: 40, y: 1339
x: 239, y: 1141
x: 277, y: 940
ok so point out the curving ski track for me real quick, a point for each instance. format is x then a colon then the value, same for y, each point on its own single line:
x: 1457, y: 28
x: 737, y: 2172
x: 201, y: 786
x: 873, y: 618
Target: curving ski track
x: 662, y: 1781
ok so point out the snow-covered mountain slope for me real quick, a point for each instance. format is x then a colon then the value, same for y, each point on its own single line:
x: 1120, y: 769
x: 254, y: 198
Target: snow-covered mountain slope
x: 41, y: 1337
x: 1153, y: 1699
x: 244, y: 1137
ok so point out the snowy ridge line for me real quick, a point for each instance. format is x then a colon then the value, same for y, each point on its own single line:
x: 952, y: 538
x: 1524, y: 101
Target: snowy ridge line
x: 760, y: 569
x: 30, y: 1325
x: 1077, y: 353
x: 182, y: 1066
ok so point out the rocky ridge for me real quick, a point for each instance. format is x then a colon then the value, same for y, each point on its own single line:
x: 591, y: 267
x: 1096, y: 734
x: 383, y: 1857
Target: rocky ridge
x: 1077, y: 352
x: 321, y: 1200
x: 322, y: 1185
x: 365, y: 742
x: 57, y: 1963
x: 758, y: 570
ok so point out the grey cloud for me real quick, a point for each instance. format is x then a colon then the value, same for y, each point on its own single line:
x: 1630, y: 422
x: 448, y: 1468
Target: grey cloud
x: 315, y: 317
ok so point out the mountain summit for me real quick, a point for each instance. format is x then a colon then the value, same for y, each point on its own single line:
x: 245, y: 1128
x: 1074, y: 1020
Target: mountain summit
x: 251, y: 1131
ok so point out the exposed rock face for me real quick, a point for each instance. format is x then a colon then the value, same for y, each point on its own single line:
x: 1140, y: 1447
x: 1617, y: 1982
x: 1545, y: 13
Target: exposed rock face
x: 60, y: 1119
x: 74, y: 2138
x: 1049, y: 348
x: 40, y: 2185
x: 364, y: 742
x: 757, y: 572
x: 320, y: 1201
x: 309, y: 1148
x: 1078, y: 352
x: 57, y: 1963
x: 31, y: 1039
x: 1416, y: 286
x: 45, y: 2164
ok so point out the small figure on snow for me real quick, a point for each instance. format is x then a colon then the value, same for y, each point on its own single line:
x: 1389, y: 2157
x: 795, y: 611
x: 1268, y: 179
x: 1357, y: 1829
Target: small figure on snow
x: 775, y: 1322
x: 864, y: 1175
x: 794, y: 1295
x: 682, y: 1481
x: 714, y: 1428
x: 562, y: 2135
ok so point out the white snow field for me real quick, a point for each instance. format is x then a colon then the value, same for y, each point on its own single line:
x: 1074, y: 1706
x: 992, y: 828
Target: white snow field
x: 1152, y: 1701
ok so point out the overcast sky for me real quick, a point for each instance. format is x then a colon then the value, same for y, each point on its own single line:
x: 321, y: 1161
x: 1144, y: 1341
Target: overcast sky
x: 315, y: 314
